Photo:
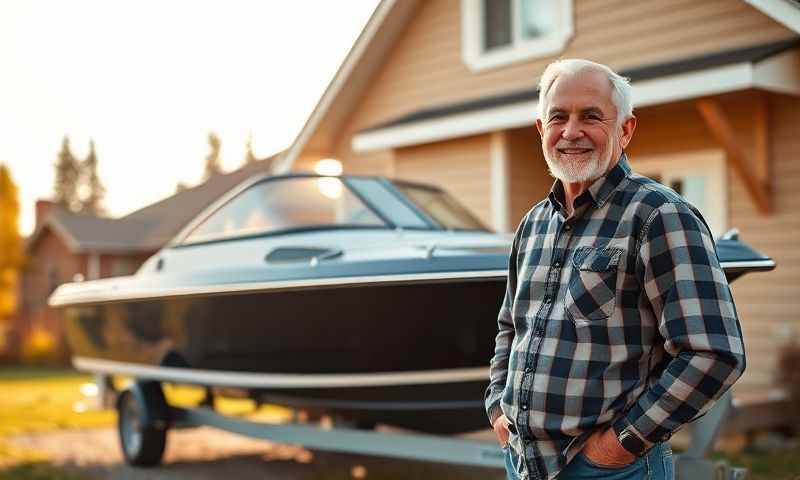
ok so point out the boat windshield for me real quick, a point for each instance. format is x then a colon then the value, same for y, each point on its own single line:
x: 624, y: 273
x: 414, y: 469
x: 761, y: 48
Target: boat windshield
x: 440, y: 206
x: 287, y: 203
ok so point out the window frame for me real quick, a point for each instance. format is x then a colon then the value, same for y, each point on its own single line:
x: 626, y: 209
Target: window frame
x: 520, y: 49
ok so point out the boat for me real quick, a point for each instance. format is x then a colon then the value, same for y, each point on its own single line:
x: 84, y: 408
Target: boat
x: 363, y: 298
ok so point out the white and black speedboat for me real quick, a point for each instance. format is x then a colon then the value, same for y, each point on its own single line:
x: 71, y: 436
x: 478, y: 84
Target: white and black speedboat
x: 360, y: 297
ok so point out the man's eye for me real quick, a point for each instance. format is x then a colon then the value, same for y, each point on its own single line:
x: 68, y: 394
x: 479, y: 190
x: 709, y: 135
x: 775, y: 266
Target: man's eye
x: 593, y: 116
x: 557, y: 118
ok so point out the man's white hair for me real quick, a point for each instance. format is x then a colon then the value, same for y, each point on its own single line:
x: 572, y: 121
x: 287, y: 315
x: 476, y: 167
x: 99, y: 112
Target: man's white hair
x: 620, y: 86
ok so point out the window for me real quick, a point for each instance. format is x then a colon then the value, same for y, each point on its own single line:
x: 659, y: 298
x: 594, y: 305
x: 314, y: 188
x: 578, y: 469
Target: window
x: 500, y: 32
x: 699, y: 177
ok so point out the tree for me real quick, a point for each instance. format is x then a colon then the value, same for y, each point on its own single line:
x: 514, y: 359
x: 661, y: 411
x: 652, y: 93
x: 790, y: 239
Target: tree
x: 10, y: 243
x: 213, y: 166
x: 250, y: 157
x: 92, y: 202
x: 67, y: 178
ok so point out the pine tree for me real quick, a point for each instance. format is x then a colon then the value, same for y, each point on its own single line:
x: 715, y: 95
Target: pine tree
x: 92, y: 203
x: 67, y: 178
x: 10, y: 243
x: 213, y: 166
x: 250, y: 157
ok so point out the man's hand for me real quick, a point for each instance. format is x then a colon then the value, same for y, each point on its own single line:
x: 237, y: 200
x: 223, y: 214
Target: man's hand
x: 604, y: 449
x: 501, y: 431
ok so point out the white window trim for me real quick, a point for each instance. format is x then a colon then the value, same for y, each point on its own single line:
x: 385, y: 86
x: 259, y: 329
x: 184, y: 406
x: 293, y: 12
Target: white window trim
x: 499, y: 182
x: 709, y: 163
x: 520, y: 50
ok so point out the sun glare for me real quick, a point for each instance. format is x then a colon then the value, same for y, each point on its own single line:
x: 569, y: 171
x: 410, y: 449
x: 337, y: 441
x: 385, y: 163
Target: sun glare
x: 329, y: 166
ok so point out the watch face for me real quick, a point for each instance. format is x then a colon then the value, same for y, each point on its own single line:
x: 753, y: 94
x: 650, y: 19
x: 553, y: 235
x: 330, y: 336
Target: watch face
x: 631, y: 442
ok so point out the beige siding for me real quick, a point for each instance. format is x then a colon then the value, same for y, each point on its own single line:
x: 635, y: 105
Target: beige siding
x: 528, y: 175
x: 462, y: 167
x: 769, y: 303
x: 372, y: 163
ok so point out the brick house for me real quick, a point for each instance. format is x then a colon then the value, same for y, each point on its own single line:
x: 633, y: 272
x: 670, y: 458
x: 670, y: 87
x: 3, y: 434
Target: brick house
x: 66, y: 246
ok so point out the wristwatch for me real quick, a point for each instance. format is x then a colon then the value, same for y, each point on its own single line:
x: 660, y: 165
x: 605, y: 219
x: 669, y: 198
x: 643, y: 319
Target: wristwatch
x: 631, y: 442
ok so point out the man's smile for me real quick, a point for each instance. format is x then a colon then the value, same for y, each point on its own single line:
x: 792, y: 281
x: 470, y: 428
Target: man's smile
x: 573, y: 151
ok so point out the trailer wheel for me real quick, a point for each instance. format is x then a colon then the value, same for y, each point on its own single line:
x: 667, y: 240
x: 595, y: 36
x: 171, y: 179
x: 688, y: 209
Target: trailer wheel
x: 142, y: 423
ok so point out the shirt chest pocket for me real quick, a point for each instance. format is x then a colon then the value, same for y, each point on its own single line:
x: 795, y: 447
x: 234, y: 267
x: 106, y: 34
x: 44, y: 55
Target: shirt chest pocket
x: 592, y: 288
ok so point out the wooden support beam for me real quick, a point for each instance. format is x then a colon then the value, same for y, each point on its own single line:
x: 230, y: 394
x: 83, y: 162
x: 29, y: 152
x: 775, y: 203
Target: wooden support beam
x: 761, y: 128
x: 754, y: 173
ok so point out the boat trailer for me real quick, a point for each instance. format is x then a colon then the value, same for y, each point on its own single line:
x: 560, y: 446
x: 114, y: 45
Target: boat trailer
x: 144, y: 418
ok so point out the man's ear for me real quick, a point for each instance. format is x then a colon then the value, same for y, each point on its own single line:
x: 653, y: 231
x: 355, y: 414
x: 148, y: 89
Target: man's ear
x: 539, y: 127
x: 628, y: 126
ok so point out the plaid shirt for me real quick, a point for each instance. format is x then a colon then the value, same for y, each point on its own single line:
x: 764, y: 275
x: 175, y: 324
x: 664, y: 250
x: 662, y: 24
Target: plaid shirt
x: 620, y: 313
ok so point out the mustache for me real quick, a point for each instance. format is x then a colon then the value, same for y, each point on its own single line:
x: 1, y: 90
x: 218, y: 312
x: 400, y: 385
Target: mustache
x: 574, y: 145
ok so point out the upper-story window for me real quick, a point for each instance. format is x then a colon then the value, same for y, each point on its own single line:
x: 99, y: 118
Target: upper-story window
x: 501, y: 32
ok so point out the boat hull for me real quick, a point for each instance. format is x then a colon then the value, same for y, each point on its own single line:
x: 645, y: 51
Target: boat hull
x: 412, y: 355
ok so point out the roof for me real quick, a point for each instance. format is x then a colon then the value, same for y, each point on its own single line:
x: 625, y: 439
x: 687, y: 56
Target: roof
x: 752, y: 54
x: 146, y: 229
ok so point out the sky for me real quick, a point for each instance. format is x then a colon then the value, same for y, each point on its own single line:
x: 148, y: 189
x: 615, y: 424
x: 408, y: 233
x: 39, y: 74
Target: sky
x: 148, y: 80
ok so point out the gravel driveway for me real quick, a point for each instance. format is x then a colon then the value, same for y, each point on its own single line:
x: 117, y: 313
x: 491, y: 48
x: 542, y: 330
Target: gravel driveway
x: 204, y: 453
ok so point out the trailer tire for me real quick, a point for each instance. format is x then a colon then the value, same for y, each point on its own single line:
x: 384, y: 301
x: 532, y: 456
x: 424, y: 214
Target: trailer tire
x: 142, y: 423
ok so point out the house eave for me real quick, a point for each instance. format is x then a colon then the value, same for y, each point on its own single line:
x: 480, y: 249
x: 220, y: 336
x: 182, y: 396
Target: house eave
x: 779, y: 73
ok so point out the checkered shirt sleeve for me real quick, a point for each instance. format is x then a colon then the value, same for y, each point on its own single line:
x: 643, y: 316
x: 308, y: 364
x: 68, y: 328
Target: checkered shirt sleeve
x: 498, y: 370
x: 689, y: 295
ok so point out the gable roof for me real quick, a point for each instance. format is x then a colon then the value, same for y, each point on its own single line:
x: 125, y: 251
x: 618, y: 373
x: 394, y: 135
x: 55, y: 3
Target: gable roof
x: 371, y: 49
x: 146, y: 229
x: 351, y: 80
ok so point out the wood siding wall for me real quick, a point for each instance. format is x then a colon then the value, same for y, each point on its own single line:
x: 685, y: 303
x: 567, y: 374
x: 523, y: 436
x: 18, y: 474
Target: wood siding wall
x: 768, y: 303
x: 529, y: 178
x: 462, y: 167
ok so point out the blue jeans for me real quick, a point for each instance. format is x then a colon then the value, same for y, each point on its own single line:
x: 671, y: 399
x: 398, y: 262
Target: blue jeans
x: 656, y: 464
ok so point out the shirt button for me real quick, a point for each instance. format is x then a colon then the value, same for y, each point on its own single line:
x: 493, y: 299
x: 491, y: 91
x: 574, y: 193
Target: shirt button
x: 557, y: 264
x: 567, y: 227
x: 546, y: 299
x: 525, y: 406
x: 528, y: 369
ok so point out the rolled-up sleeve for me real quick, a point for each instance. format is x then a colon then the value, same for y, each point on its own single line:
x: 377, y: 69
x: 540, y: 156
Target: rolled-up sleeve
x: 689, y: 295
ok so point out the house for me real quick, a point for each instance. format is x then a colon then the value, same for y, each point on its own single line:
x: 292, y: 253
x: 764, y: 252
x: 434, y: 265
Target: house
x: 445, y: 91
x: 66, y: 246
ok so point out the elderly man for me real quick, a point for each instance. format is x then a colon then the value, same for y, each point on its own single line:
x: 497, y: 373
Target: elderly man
x: 618, y: 325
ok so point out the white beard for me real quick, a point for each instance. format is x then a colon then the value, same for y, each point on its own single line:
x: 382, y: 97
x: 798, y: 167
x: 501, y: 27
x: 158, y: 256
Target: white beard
x: 574, y: 172
x: 580, y: 171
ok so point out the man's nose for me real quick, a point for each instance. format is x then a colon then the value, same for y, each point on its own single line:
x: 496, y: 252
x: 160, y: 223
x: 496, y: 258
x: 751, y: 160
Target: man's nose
x: 572, y: 130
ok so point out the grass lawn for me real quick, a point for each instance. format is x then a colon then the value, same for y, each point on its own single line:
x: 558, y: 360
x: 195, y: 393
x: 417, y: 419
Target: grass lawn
x: 39, y: 400
x: 782, y: 464
x: 34, y: 400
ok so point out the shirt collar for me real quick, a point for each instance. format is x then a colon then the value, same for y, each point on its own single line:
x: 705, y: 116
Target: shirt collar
x: 599, y: 191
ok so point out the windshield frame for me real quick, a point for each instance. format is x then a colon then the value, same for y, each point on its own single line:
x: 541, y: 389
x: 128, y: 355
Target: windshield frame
x: 422, y: 186
x: 181, y: 240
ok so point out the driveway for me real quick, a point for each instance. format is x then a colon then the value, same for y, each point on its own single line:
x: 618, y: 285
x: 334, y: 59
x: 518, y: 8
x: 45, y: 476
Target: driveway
x: 204, y: 453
